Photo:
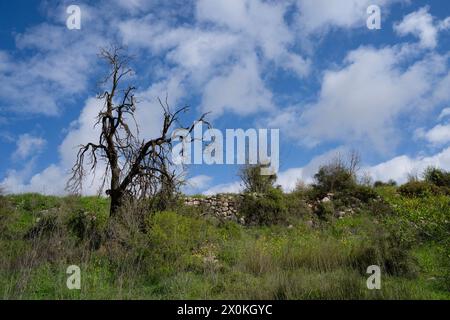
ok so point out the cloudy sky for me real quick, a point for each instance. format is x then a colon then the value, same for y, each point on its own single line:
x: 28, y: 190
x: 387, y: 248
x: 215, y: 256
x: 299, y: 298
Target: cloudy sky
x: 311, y: 68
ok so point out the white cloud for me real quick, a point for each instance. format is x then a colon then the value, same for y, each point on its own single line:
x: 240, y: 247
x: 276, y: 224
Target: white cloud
x: 28, y: 145
x: 241, y: 91
x: 444, y: 24
x: 319, y: 16
x: 197, y: 183
x: 232, y: 187
x: 52, y: 180
x: 419, y: 23
x: 217, y: 54
x: 58, y: 68
x: 289, y: 178
x: 361, y: 102
x: 438, y: 135
x: 398, y: 168
x: 444, y: 113
x: 259, y: 24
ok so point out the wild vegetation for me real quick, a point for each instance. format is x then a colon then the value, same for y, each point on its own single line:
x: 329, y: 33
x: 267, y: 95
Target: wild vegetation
x: 313, y: 243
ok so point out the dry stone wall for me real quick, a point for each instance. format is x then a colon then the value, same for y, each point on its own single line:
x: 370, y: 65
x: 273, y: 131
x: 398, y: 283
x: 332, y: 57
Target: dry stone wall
x: 223, y: 206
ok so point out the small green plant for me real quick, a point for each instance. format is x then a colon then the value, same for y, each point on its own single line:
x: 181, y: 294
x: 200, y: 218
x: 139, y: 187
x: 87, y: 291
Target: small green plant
x: 418, y: 189
x: 438, y: 177
x: 254, y: 181
x: 265, y: 209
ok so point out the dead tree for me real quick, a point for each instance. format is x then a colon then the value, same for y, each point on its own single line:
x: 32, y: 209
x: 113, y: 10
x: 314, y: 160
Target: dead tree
x: 134, y: 167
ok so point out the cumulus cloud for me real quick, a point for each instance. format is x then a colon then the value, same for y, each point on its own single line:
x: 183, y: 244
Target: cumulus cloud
x: 319, y: 16
x: 399, y: 167
x: 218, y: 53
x: 260, y: 24
x: 197, y: 183
x: 362, y: 101
x: 444, y: 113
x: 232, y: 187
x: 28, y: 145
x: 52, y: 180
x: 241, y: 91
x: 438, y: 135
x: 419, y: 23
x: 59, y: 68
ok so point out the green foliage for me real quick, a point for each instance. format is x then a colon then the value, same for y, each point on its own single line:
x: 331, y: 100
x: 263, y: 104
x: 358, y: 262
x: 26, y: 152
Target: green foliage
x: 325, y: 210
x: 33, y: 202
x: 296, y: 205
x: 430, y: 215
x: 363, y: 193
x: 86, y: 226
x: 333, y: 178
x: 418, y: 189
x: 265, y: 209
x: 254, y: 181
x: 438, y: 177
x: 180, y: 255
x: 390, y: 183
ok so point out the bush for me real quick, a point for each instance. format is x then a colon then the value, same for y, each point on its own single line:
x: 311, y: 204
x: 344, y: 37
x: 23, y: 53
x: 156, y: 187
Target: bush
x: 363, y: 193
x: 325, y: 210
x: 439, y: 178
x: 333, y: 178
x: 254, y: 181
x: 45, y: 226
x: 265, y: 209
x: 296, y: 205
x: 176, y: 241
x: 390, y: 183
x: 418, y: 189
x: 339, y: 176
x: 85, y: 226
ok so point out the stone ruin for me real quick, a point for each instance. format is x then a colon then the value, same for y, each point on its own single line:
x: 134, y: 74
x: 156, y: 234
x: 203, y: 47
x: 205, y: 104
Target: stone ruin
x: 223, y: 206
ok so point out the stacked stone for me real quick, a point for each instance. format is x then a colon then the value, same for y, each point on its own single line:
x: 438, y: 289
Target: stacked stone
x: 222, y: 206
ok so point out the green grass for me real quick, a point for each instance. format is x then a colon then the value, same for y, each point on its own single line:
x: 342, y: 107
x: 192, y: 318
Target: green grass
x: 173, y: 255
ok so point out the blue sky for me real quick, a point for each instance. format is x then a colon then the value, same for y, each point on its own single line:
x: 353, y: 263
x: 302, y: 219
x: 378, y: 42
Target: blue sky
x: 310, y: 68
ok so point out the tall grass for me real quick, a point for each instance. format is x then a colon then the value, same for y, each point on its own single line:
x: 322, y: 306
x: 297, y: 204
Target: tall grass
x: 175, y: 255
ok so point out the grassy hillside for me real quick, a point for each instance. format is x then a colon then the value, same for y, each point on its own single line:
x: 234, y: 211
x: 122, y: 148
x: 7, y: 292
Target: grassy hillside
x: 179, y: 254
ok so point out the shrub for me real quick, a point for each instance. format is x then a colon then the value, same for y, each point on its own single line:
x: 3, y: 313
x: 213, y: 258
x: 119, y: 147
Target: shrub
x: 333, y: 178
x: 265, y: 209
x: 390, y: 183
x: 337, y: 176
x: 325, y: 210
x: 45, y: 226
x: 296, y: 205
x: 439, y: 178
x: 254, y: 181
x: 363, y: 193
x: 85, y: 226
x: 174, y: 239
x: 418, y: 189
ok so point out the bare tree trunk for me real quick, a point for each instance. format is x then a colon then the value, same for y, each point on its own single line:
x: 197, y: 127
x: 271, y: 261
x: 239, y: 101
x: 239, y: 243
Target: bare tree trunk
x: 117, y: 199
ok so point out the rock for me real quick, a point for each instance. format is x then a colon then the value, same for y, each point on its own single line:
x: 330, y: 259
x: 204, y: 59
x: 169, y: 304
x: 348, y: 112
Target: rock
x: 290, y: 226
x: 326, y: 199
